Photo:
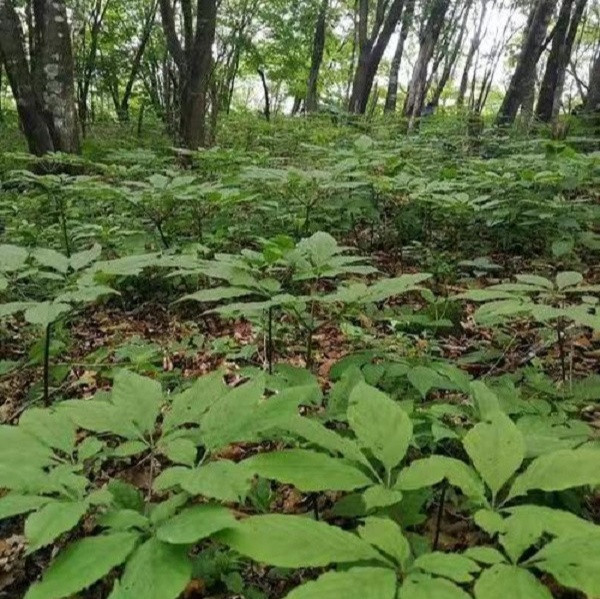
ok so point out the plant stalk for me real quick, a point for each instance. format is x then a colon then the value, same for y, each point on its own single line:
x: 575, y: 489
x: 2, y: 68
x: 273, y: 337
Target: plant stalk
x: 440, y: 513
x: 47, y: 366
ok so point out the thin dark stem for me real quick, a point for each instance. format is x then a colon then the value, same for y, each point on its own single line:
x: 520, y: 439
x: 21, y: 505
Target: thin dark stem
x: 270, y: 340
x: 47, y: 366
x: 561, y: 349
x: 440, y: 513
x: 63, y: 225
x: 163, y: 238
x: 315, y: 506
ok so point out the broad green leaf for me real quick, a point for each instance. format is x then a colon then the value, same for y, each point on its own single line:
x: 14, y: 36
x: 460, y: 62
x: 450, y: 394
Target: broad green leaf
x: 387, y: 536
x: 295, y: 542
x: 12, y: 257
x: 82, y: 564
x: 535, y: 280
x: 487, y: 401
x: 496, y: 449
x: 82, y: 259
x: 485, y: 555
x: 222, y: 480
x: 15, y: 504
x: 356, y: 583
x: 558, y: 471
x: 128, y: 449
x: 427, y: 587
x: 52, y: 520
x: 430, y: 471
x: 18, y: 448
x: 51, y: 259
x: 423, y: 379
x: 458, y: 568
x: 3, y: 283
x: 189, y: 406
x: 195, y: 523
x: 573, y: 562
x: 502, y: 581
x: 138, y: 399
x: 380, y: 424
x: 156, y: 570
x: 45, y: 313
x: 527, y: 524
x: 568, y: 279
x: 54, y: 429
x: 121, y: 520
x: 99, y: 417
x: 309, y: 471
x: 179, y: 451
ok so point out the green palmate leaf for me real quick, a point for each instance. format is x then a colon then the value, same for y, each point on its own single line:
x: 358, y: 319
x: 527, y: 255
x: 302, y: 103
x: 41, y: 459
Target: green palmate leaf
x: 380, y: 424
x: 120, y: 520
x: 568, y: 279
x: 543, y: 435
x: 433, y: 470
x: 155, y: 571
x: 3, y: 283
x: 387, y: 536
x: 189, y: 406
x: 194, y: 524
x: 14, y: 504
x: 295, y: 542
x: 317, y: 434
x: 535, y: 280
x: 12, y: 257
x: 137, y: 398
x: 496, y: 449
x: 217, y: 294
x: 99, y: 417
x: 51, y: 259
x: 458, y: 568
x: 54, y: 429
x: 560, y: 470
x: 82, y: 259
x: 527, y: 524
x: 573, y: 562
x: 82, y: 564
x: 486, y: 400
x: 18, y: 448
x: 179, y: 451
x: 309, y: 471
x: 425, y: 379
x: 485, y: 555
x: 425, y: 587
x: 52, y: 520
x: 222, y: 480
x: 14, y: 307
x: 356, y: 583
x: 45, y: 313
x: 502, y: 581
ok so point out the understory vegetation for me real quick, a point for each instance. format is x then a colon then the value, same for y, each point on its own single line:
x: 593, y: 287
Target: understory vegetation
x: 316, y: 360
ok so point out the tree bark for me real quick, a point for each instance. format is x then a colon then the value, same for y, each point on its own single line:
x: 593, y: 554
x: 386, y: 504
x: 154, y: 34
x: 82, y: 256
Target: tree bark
x: 473, y: 48
x: 45, y: 92
x: 415, y: 98
x: 530, y: 52
x: 194, y: 62
x: 592, y: 103
x: 312, y: 92
x: 371, y: 48
x: 263, y: 79
x: 391, y: 99
x: 553, y: 82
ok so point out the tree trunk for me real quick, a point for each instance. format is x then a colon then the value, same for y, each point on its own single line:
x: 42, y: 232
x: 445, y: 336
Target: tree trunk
x: 451, y: 58
x: 530, y: 52
x: 312, y: 92
x: 553, y: 82
x: 473, y: 48
x: 123, y: 109
x: 592, y: 103
x: 194, y: 62
x: 415, y: 98
x: 371, y: 48
x: 391, y: 99
x: 45, y: 95
x: 263, y: 79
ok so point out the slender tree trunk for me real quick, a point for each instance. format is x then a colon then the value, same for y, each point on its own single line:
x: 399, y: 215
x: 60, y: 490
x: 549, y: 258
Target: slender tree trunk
x: 473, y: 48
x: 371, y: 48
x: 553, y: 82
x: 592, y: 103
x: 312, y: 92
x: 123, y: 108
x: 528, y: 59
x: 415, y: 98
x: 263, y: 79
x: 391, y: 99
x: 451, y: 58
